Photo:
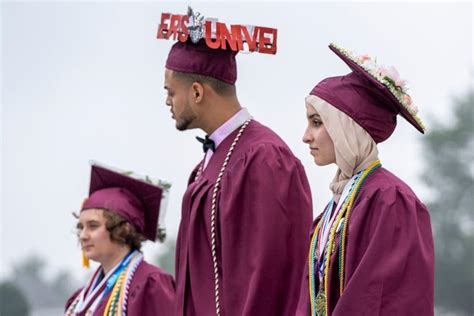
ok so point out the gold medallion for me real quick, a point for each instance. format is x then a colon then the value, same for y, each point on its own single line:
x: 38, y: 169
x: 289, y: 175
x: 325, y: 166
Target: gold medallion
x: 321, y: 304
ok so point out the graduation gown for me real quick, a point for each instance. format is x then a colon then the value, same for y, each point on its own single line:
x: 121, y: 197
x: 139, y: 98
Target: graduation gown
x: 263, y: 219
x: 151, y: 293
x: 389, y: 260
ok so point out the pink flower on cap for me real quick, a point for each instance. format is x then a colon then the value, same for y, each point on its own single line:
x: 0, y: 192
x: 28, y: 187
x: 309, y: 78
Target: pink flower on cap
x: 409, y: 103
x: 407, y: 99
x: 392, y: 74
x: 364, y: 58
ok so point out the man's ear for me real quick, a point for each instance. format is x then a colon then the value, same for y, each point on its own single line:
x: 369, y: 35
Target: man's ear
x: 198, y: 92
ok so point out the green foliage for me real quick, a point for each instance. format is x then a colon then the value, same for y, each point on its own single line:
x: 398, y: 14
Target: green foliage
x: 449, y: 154
x: 12, y: 300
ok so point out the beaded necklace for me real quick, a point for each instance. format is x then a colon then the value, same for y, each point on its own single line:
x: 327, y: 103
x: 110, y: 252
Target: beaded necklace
x: 213, y: 216
x: 214, y: 213
x: 319, y: 302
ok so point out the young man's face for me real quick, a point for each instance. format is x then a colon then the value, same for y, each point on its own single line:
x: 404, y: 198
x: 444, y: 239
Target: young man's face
x: 178, y: 98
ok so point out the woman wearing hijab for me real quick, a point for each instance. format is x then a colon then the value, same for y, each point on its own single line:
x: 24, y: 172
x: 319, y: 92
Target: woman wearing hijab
x: 120, y: 213
x: 371, y: 250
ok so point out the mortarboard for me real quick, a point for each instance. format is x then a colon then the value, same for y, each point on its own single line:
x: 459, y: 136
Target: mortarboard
x: 141, y: 201
x: 371, y: 95
x: 199, y: 59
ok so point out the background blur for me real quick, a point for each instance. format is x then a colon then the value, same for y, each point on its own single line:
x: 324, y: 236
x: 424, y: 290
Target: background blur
x: 82, y: 81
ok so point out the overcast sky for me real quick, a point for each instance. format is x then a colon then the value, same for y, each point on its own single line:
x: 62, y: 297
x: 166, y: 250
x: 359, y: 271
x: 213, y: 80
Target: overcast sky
x: 84, y: 81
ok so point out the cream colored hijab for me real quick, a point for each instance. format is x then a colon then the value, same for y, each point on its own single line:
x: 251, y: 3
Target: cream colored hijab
x: 355, y: 149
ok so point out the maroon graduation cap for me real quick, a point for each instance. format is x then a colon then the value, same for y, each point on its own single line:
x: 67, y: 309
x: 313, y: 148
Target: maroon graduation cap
x: 199, y: 59
x: 371, y: 95
x: 139, y: 202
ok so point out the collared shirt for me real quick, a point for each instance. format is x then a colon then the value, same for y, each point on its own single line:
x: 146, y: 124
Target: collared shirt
x: 225, y: 130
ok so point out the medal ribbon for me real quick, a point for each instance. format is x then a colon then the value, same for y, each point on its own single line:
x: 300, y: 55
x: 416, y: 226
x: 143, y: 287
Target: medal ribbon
x: 96, y: 284
x: 338, y: 220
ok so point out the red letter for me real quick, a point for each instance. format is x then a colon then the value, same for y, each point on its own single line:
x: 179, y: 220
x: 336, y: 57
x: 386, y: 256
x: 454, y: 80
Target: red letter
x: 251, y: 41
x: 183, y: 35
x: 226, y: 37
x: 217, y: 43
x: 236, y: 31
x: 267, y: 45
x: 174, y: 26
x: 163, y: 27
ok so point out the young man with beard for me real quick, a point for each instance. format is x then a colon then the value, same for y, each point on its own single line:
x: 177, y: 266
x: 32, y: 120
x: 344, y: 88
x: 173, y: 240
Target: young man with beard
x: 246, y: 213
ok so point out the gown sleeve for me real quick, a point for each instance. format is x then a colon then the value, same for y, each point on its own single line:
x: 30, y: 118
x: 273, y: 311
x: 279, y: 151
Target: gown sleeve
x: 153, y: 296
x: 265, y: 216
x: 389, y: 267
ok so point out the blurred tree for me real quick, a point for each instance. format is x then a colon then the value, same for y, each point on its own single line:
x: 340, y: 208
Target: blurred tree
x: 166, y: 258
x: 12, y: 300
x: 32, y: 267
x: 449, y: 154
x: 29, y: 277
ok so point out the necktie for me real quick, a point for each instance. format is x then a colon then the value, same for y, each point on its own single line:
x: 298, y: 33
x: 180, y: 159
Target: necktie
x: 207, y: 143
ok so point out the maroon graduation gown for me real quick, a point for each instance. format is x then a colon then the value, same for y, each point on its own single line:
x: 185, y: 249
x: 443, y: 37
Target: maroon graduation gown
x: 151, y: 293
x: 264, y: 217
x: 389, y: 268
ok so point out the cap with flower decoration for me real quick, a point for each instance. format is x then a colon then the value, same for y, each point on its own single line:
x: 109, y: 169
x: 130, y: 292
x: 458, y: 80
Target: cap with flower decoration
x: 371, y: 95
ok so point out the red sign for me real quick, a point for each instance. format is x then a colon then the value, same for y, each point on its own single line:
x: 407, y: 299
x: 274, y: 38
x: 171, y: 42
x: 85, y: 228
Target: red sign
x: 218, y: 35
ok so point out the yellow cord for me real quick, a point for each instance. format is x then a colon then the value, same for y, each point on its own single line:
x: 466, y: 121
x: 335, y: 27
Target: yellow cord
x: 116, y: 288
x: 336, y: 224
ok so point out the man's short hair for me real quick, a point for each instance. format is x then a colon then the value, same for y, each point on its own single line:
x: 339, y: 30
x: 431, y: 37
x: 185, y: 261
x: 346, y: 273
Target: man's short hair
x: 220, y: 87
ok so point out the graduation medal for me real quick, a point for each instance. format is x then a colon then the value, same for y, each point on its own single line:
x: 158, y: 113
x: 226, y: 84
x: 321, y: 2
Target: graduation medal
x: 321, y: 304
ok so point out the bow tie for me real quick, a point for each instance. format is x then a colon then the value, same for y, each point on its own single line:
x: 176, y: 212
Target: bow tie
x: 207, y: 143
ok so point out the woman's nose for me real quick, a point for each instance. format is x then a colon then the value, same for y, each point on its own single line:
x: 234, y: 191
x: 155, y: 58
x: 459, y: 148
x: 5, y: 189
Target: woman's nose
x: 83, y: 235
x: 307, y: 137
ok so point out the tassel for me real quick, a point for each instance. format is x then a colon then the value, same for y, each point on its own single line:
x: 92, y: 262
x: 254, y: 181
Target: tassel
x: 85, y: 260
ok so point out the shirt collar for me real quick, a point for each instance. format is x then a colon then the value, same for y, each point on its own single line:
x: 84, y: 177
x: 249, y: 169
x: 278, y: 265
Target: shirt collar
x: 229, y: 126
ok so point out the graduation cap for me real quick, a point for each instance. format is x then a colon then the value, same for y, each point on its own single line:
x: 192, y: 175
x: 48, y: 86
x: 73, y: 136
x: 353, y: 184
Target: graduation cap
x: 208, y: 47
x: 198, y: 58
x: 371, y: 95
x: 141, y: 201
